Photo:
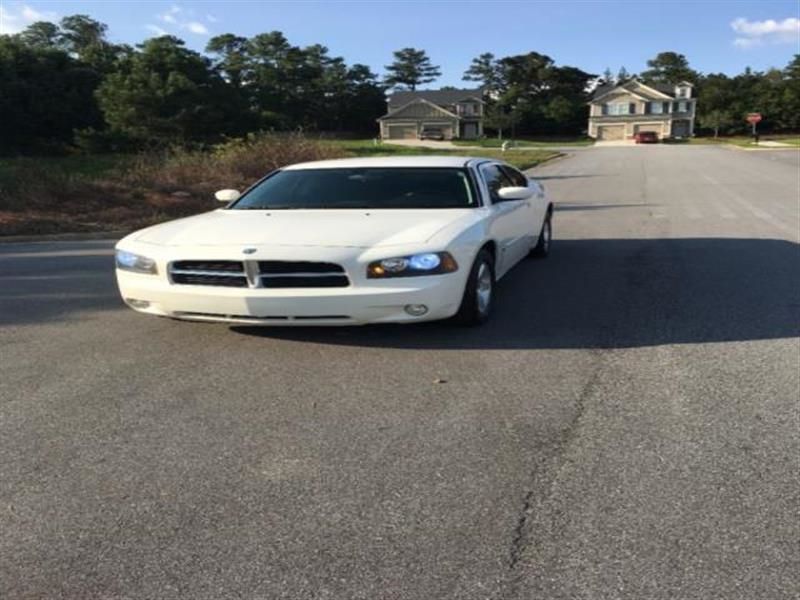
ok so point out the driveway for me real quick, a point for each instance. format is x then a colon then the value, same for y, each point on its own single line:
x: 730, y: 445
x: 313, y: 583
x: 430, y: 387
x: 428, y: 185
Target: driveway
x: 625, y: 427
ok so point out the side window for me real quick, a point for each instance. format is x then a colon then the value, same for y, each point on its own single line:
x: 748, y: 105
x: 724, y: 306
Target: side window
x: 495, y: 179
x: 517, y: 178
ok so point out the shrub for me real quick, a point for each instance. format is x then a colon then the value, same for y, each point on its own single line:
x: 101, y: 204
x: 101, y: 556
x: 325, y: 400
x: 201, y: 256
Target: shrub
x: 151, y: 187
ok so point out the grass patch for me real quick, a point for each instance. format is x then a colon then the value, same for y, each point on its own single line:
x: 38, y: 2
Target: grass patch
x: 732, y: 140
x: 104, y: 193
x: 744, y: 141
x: 792, y: 141
x: 74, y: 166
x: 526, y: 142
x: 522, y: 159
x: 126, y: 192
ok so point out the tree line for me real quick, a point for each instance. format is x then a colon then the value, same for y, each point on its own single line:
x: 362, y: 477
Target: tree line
x: 66, y: 85
x: 531, y: 94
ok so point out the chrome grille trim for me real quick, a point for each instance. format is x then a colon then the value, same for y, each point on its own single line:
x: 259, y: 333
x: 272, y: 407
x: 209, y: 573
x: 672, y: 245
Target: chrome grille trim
x: 206, y: 273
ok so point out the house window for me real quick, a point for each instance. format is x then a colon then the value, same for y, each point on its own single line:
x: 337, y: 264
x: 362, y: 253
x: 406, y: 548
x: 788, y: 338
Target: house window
x: 468, y: 110
x: 619, y: 109
x: 683, y: 92
x: 681, y: 106
x: 656, y: 108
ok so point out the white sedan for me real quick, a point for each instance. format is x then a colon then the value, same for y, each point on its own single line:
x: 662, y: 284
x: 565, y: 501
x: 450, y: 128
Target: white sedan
x: 343, y: 242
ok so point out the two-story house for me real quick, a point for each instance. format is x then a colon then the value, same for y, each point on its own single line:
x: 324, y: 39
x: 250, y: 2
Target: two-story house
x: 620, y: 111
x: 457, y: 113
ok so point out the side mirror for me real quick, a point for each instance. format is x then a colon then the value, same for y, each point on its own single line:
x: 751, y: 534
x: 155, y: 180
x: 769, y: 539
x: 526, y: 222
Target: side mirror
x: 227, y: 195
x: 514, y: 193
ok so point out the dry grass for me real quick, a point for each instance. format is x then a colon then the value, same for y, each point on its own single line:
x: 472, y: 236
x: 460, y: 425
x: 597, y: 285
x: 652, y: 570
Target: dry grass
x: 146, y: 189
x: 113, y: 193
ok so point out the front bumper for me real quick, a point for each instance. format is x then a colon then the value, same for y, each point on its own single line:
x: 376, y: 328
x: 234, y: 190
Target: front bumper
x: 378, y: 302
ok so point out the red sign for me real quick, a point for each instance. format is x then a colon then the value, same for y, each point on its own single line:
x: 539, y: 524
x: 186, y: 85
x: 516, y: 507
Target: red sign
x: 754, y: 117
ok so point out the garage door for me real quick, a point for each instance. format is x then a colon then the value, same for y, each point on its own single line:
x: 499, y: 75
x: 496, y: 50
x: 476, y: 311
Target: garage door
x: 611, y: 132
x: 654, y: 127
x: 400, y: 132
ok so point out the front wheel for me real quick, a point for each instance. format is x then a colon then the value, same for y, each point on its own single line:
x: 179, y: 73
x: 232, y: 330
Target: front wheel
x: 476, y: 304
x: 542, y: 247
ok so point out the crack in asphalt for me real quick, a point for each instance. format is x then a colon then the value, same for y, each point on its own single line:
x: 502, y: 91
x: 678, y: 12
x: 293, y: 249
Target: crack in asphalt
x: 542, y: 478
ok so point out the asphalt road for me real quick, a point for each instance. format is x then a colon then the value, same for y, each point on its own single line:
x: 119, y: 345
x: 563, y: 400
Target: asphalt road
x: 626, y: 426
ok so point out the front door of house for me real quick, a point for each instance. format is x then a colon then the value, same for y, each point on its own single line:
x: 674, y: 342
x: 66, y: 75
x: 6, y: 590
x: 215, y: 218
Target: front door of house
x: 470, y: 130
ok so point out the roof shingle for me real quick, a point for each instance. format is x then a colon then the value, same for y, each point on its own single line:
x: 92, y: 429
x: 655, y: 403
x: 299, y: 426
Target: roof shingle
x: 440, y: 97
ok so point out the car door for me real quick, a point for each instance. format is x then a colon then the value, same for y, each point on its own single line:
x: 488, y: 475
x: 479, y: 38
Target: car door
x: 537, y: 202
x: 510, y: 218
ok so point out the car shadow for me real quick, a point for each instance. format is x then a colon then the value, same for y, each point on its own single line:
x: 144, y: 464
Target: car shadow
x: 614, y: 293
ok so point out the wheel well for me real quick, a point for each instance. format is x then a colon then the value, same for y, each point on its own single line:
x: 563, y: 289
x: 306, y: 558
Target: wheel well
x: 491, y: 246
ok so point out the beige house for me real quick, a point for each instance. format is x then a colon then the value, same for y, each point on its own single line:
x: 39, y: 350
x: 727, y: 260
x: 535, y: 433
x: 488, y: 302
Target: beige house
x: 456, y: 113
x: 620, y: 111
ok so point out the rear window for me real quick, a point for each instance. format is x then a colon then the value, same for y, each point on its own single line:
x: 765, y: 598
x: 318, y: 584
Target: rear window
x: 372, y: 188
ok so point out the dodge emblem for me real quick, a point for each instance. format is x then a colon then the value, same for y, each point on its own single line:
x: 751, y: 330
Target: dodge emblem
x: 249, y: 250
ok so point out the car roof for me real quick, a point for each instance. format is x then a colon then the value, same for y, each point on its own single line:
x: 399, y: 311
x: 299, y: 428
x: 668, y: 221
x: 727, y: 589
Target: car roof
x: 389, y: 161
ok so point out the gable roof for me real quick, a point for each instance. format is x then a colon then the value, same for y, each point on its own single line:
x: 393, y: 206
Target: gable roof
x: 440, y: 97
x: 634, y: 86
x: 409, y: 108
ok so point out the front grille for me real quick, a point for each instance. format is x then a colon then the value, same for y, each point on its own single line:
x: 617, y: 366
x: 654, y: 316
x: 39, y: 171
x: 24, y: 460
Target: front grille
x: 301, y: 274
x: 208, y: 279
x: 227, y: 266
x: 297, y: 266
x: 224, y: 273
x: 259, y: 274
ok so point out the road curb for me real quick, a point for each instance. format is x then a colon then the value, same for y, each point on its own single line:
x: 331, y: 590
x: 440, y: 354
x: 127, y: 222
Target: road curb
x: 64, y: 237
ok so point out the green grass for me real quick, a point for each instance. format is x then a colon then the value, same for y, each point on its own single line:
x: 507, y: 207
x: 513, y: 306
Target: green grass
x: 493, y: 142
x: 792, y: 141
x: 522, y: 159
x: 744, y: 141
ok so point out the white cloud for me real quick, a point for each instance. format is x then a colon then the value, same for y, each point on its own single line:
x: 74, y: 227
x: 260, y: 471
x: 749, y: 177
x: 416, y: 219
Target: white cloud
x: 31, y: 15
x: 156, y: 29
x: 755, y: 33
x: 15, y: 21
x: 169, y: 16
x: 211, y: 18
x: 178, y: 18
x: 196, y: 27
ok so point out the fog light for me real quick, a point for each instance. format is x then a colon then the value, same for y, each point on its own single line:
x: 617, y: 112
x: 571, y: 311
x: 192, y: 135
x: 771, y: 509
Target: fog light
x: 416, y: 310
x: 137, y: 303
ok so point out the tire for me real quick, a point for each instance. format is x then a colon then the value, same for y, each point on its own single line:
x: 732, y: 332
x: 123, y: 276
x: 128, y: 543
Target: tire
x: 542, y: 247
x: 478, y: 300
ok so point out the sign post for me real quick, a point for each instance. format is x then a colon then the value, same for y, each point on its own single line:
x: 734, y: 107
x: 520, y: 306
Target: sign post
x: 754, y: 119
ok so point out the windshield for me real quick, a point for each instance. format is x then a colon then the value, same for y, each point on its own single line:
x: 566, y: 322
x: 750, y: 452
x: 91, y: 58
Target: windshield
x: 373, y: 188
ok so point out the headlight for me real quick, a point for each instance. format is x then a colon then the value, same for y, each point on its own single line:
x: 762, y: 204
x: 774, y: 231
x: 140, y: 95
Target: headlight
x: 128, y: 261
x: 429, y: 263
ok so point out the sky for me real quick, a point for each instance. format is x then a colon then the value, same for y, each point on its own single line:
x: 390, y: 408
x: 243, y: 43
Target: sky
x: 715, y: 35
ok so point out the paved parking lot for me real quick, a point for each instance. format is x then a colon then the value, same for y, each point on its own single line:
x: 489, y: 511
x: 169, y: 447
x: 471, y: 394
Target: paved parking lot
x: 626, y: 426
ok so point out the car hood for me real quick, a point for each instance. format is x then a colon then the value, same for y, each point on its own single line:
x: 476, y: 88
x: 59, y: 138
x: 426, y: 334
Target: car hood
x: 331, y: 228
